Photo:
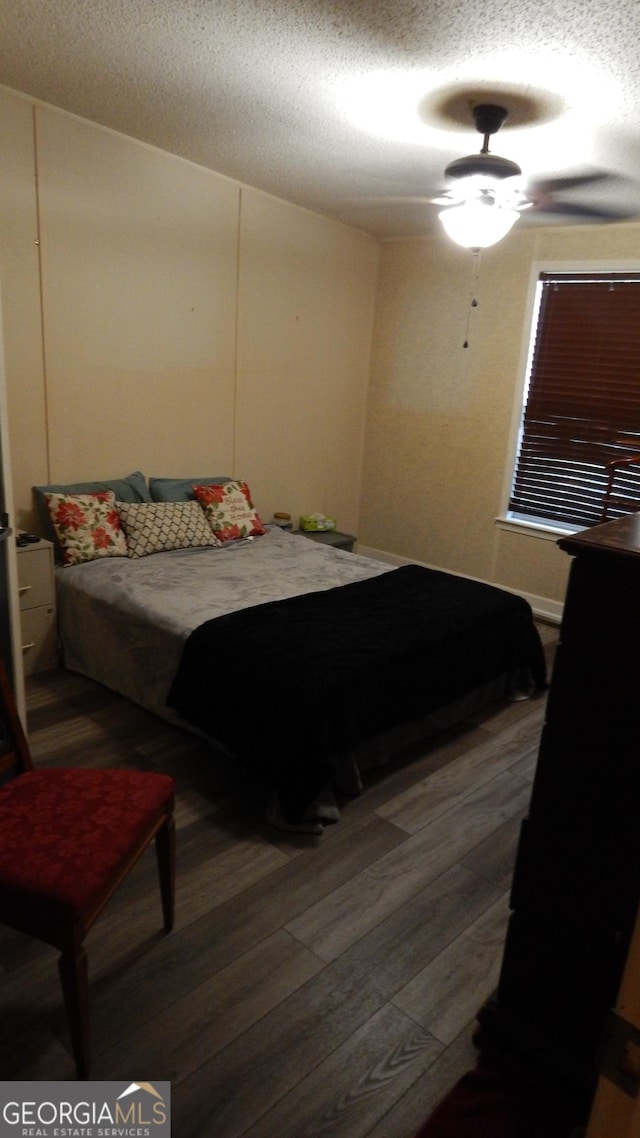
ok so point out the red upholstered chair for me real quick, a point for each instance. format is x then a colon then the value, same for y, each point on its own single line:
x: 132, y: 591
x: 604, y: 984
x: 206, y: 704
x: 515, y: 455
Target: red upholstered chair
x: 68, y: 838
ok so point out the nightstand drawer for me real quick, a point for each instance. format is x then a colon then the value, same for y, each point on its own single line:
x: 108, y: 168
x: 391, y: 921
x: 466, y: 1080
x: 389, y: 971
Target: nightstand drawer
x: 35, y: 576
x: 39, y: 642
x: 36, y: 595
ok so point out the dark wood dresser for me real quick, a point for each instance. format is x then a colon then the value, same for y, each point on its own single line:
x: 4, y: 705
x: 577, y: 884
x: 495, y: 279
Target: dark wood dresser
x: 576, y: 886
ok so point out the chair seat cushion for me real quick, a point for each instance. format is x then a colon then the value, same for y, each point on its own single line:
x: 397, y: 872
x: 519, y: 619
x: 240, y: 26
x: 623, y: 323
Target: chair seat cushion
x: 64, y: 835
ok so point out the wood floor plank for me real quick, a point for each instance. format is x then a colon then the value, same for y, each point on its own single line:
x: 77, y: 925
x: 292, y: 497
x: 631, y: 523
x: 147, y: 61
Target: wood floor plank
x: 198, y: 1025
x: 32, y: 987
x: 436, y: 998
x: 62, y: 741
x: 495, y: 857
x: 51, y: 695
x: 438, y: 793
x: 230, y: 872
x: 258, y: 1068
x: 192, y: 805
x: 357, y: 1083
x: 525, y: 767
x: 410, y: 764
x: 405, y: 1118
x: 336, y: 922
x: 40, y: 1053
x: 197, y: 950
x: 211, y: 869
x: 31, y: 1011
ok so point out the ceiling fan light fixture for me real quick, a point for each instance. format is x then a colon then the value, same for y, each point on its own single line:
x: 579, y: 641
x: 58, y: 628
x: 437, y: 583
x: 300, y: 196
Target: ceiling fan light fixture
x: 490, y: 166
x: 478, y: 224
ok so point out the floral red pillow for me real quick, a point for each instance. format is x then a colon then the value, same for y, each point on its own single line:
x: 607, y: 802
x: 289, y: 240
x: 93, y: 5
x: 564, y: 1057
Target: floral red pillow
x: 229, y: 509
x: 86, y: 526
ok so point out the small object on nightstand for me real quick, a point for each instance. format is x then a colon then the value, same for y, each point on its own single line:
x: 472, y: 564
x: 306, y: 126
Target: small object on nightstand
x: 334, y: 538
x: 282, y: 520
x: 312, y: 523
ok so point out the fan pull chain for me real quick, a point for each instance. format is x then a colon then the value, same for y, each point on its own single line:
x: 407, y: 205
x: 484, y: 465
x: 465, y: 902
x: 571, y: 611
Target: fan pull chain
x: 473, y: 303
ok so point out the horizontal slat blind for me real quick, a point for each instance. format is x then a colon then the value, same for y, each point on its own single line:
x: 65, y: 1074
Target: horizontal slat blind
x: 583, y: 405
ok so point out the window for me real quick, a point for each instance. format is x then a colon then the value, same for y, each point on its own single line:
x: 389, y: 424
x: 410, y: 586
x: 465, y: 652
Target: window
x: 582, y: 406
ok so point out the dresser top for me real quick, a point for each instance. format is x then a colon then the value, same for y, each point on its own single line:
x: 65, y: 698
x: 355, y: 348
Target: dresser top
x: 619, y: 536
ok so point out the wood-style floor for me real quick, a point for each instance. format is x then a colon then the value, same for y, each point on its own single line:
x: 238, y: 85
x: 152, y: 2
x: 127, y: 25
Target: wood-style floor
x: 312, y: 986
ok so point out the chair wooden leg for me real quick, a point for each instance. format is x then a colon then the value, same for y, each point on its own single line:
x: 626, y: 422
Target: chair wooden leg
x: 165, y: 854
x: 74, y: 977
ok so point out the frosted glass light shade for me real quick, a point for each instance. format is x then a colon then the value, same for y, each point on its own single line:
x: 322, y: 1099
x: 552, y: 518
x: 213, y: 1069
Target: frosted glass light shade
x: 477, y: 224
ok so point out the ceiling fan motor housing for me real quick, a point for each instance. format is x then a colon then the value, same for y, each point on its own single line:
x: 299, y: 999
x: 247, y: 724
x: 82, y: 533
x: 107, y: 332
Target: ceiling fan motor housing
x: 489, y: 117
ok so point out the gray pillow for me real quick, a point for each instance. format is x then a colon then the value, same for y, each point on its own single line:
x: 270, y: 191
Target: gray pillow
x: 180, y: 489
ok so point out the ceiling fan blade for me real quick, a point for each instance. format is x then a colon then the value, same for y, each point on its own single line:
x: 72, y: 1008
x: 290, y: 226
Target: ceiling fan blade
x: 570, y: 182
x: 573, y: 209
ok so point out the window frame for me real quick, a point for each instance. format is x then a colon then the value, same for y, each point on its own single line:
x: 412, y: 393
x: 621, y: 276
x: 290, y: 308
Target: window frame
x: 544, y: 528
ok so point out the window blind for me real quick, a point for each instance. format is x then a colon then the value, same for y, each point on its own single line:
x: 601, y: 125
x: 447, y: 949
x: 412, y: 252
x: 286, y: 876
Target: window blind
x: 583, y: 401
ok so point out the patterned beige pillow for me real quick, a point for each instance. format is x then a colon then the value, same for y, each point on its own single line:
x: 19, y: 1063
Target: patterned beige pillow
x: 154, y: 527
x: 230, y: 510
x: 87, y: 526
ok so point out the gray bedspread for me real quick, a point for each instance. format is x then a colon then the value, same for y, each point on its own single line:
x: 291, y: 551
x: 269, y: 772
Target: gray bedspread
x: 124, y: 621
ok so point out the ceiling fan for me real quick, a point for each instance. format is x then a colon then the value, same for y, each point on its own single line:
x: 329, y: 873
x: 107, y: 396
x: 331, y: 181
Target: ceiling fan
x: 487, y: 193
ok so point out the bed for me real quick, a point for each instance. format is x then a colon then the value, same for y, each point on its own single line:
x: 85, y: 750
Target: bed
x: 301, y: 660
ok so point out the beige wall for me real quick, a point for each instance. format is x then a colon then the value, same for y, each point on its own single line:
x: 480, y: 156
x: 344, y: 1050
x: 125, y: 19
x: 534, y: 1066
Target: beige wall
x: 20, y: 298
x: 305, y: 322
x: 441, y: 417
x: 161, y: 317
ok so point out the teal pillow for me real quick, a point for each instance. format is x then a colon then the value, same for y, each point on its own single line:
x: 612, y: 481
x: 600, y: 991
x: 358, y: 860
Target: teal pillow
x: 131, y: 489
x: 180, y: 489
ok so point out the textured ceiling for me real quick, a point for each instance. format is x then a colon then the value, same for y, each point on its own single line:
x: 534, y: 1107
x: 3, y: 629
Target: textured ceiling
x: 346, y: 107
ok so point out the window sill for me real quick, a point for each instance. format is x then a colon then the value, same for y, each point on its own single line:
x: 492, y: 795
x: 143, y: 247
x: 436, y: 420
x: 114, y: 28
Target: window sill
x: 540, y: 529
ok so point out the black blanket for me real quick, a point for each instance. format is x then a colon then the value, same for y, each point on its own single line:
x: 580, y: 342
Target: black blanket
x: 288, y: 684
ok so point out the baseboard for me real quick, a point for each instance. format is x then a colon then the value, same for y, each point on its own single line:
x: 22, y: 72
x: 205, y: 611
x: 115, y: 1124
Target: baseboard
x: 543, y: 607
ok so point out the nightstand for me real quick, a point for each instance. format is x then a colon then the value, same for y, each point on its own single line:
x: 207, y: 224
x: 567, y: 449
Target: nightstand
x: 331, y: 537
x: 36, y: 592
